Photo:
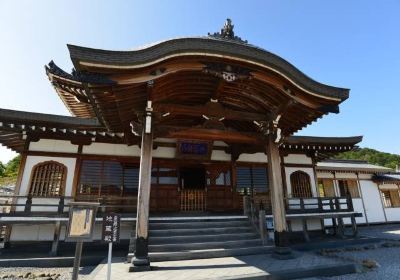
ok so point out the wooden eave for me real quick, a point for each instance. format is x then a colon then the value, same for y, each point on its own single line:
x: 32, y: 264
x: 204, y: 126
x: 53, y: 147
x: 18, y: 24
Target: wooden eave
x: 181, y: 77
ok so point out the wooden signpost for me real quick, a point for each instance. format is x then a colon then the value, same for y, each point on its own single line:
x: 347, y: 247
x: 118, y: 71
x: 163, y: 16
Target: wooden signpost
x: 82, y: 216
x: 110, y: 234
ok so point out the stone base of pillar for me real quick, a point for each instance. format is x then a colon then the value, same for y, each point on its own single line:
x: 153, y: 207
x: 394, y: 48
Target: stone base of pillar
x: 139, y: 264
x: 281, y: 239
x: 282, y: 251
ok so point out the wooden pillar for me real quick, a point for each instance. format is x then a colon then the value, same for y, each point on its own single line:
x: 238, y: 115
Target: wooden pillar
x: 277, y: 198
x: 362, y: 198
x: 141, y: 261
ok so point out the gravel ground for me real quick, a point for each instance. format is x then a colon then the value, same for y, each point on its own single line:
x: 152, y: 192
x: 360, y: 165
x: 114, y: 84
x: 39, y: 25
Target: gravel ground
x: 386, y: 255
x: 65, y: 272
x: 387, y: 258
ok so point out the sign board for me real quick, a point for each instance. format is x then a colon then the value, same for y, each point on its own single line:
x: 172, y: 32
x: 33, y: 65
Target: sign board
x: 193, y: 149
x: 111, y: 227
x: 82, y: 216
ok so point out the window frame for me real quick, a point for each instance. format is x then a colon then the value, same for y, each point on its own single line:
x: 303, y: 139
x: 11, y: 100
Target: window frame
x: 303, y: 191
x: 251, y: 190
x: 346, y: 188
x: 62, y: 181
x: 122, y: 189
x: 390, y: 198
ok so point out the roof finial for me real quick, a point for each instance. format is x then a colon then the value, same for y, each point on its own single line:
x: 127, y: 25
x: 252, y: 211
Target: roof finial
x: 227, y: 32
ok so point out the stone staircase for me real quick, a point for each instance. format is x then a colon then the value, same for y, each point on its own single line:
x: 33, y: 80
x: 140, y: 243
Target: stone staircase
x: 183, y: 238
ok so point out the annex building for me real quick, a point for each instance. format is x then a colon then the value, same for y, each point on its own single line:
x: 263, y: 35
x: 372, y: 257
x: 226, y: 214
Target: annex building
x: 190, y: 139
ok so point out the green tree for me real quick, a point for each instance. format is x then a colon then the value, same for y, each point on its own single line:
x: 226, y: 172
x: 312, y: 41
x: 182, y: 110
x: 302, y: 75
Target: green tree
x: 12, y: 167
x: 2, y: 169
x: 373, y: 157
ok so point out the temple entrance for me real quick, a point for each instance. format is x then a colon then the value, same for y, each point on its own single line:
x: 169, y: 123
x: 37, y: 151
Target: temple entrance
x: 193, y: 188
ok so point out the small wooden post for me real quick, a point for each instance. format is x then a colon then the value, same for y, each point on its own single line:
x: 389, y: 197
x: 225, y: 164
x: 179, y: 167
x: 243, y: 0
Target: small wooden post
x: 305, y: 230
x: 246, y: 203
x: 262, y: 226
x: 77, y: 260
x: 141, y: 261
x: 61, y: 205
x: 340, y: 227
x: 354, y: 226
x: 56, y: 239
x: 28, y: 204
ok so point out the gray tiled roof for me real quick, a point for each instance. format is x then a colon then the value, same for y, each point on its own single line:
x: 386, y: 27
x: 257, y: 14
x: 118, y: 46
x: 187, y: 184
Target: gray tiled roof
x: 204, y: 45
x: 29, y: 117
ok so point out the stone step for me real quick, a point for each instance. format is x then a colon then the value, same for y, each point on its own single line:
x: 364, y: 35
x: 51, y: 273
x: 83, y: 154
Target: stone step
x: 196, y: 219
x: 198, y: 231
x: 205, y: 245
x: 202, y: 238
x: 209, y: 253
x: 196, y: 224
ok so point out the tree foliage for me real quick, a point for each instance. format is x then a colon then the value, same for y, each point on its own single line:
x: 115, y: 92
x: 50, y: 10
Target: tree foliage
x: 372, y: 156
x: 9, y: 171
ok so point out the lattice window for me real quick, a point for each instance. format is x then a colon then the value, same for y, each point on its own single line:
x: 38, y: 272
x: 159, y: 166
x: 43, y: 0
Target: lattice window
x: 390, y: 198
x: 48, y: 179
x: 301, y: 186
x: 252, y: 179
x: 326, y: 188
x: 348, y: 187
x: 105, y: 178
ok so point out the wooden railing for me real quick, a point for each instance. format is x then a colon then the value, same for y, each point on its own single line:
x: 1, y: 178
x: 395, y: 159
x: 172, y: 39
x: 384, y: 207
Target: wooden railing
x: 29, y: 205
x: 256, y: 215
x: 193, y: 200
x: 304, y: 205
x: 318, y: 205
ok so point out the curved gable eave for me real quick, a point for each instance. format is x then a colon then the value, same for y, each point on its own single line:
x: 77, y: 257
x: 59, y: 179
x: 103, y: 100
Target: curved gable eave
x: 83, y: 57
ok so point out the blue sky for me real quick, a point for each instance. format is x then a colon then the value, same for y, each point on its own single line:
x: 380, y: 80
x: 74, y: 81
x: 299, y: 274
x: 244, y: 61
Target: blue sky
x: 352, y: 44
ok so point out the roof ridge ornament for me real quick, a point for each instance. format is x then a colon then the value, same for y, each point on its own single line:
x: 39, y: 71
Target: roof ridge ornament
x: 227, y: 32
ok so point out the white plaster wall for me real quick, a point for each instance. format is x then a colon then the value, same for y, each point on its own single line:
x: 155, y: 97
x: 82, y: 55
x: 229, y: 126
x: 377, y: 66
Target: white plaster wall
x: 388, y: 187
x: 50, y: 145
x: 358, y: 207
x: 364, y: 176
x: 297, y: 158
x: 164, y: 152
x: 111, y: 149
x: 165, y: 140
x: 372, y: 201
x: 308, y: 170
x: 345, y: 175
x: 393, y: 214
x: 31, y: 161
x: 324, y: 175
x: 32, y: 233
x: 312, y: 224
x: 256, y: 157
x: 45, y: 232
x: 220, y: 143
x: 220, y: 155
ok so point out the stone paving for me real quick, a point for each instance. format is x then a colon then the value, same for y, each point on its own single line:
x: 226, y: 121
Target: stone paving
x: 214, y: 268
x: 388, y: 260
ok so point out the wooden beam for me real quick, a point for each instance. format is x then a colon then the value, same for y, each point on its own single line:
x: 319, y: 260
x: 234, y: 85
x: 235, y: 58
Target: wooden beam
x: 209, y: 134
x: 215, y: 110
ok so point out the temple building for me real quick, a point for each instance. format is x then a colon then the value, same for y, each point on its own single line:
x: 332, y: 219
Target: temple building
x: 190, y: 139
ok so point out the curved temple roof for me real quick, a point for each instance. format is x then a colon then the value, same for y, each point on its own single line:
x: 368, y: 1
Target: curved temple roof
x: 210, y: 88
x: 204, y: 46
